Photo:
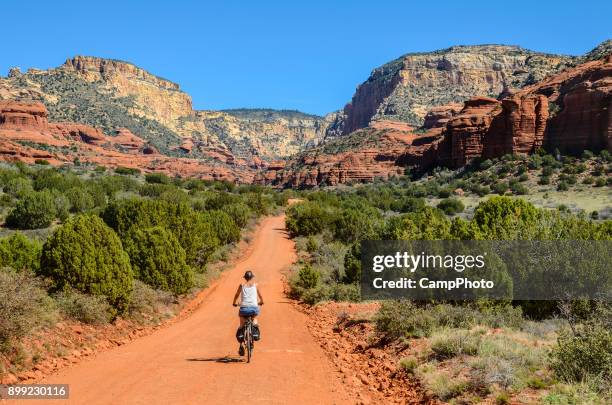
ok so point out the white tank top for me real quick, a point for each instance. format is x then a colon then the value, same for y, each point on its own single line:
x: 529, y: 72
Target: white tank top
x: 249, y: 295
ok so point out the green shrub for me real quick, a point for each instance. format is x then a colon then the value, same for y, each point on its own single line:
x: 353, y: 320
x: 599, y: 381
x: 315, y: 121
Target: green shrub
x: 481, y: 190
x: 91, y: 309
x: 127, y: 170
x: 257, y: 202
x: 306, y: 218
x: 409, y: 364
x: 352, y: 264
x: 308, y: 277
x: 444, y: 193
x: 562, y: 186
x: 225, y: 228
x: 563, y: 208
x: 500, y: 188
x: 311, y: 244
x: 600, y: 182
x: 345, y: 292
x: 111, y: 185
x: 18, y: 187
x: 450, y: 343
x: 454, y: 316
x: 193, y: 229
x: 544, y: 180
x: 569, y: 179
x: 442, y: 384
x: 598, y: 170
x: 588, y: 354
x: 485, y: 164
x: 19, y: 253
x: 156, y: 190
x: 501, y: 217
x: 80, y: 200
x: 195, y: 234
x: 41, y: 162
x: 311, y: 296
x: 87, y: 255
x: 519, y: 189
x: 451, y: 206
x: 239, y: 212
x: 157, y: 178
x: 62, y: 205
x: 397, y: 319
x: 33, y: 211
x: 24, y: 306
x: 53, y: 179
x: 429, y: 224
x: 354, y: 225
x: 500, y: 315
x: 158, y: 260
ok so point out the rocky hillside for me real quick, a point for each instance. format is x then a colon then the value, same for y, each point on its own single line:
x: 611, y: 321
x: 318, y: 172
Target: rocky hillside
x: 109, y: 94
x: 263, y: 133
x: 569, y: 111
x: 408, y: 87
x: 27, y: 135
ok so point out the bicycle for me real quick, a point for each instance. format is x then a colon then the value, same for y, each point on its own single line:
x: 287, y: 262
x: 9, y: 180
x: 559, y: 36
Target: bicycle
x: 248, y: 337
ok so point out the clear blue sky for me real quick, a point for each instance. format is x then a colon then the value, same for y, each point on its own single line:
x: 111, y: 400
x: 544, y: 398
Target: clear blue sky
x: 306, y: 55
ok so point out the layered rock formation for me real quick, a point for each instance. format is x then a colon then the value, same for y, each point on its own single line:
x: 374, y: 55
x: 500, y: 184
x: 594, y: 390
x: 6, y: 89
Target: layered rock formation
x: 363, y: 156
x: 26, y: 135
x: 438, y: 116
x: 18, y: 115
x: 408, y: 87
x: 570, y: 111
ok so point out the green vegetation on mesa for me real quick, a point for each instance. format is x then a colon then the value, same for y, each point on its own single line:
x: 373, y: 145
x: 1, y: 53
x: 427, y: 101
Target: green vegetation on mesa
x: 269, y: 114
x: 470, y: 351
x: 93, y: 245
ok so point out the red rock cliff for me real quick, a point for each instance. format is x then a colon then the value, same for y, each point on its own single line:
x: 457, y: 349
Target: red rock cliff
x: 19, y: 115
x: 571, y: 111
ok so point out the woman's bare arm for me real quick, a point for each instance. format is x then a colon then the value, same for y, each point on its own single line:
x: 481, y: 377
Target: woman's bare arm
x: 260, y: 297
x: 237, y: 295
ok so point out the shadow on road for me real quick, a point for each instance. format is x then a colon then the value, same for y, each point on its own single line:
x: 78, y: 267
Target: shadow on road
x: 225, y: 359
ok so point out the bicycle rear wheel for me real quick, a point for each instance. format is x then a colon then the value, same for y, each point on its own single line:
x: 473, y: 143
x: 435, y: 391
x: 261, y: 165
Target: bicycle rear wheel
x: 248, y: 339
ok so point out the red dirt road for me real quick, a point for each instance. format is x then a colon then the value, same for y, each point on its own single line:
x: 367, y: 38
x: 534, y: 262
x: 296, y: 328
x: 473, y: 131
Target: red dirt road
x: 178, y: 364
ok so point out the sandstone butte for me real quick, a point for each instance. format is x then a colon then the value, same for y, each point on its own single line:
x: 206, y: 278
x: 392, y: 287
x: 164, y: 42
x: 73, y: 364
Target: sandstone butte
x: 570, y: 111
x: 26, y: 135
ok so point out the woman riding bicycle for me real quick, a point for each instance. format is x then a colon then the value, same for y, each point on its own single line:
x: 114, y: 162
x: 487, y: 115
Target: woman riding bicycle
x: 250, y: 299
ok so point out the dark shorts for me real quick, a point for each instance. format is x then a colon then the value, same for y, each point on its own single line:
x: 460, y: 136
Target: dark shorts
x: 248, y: 311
